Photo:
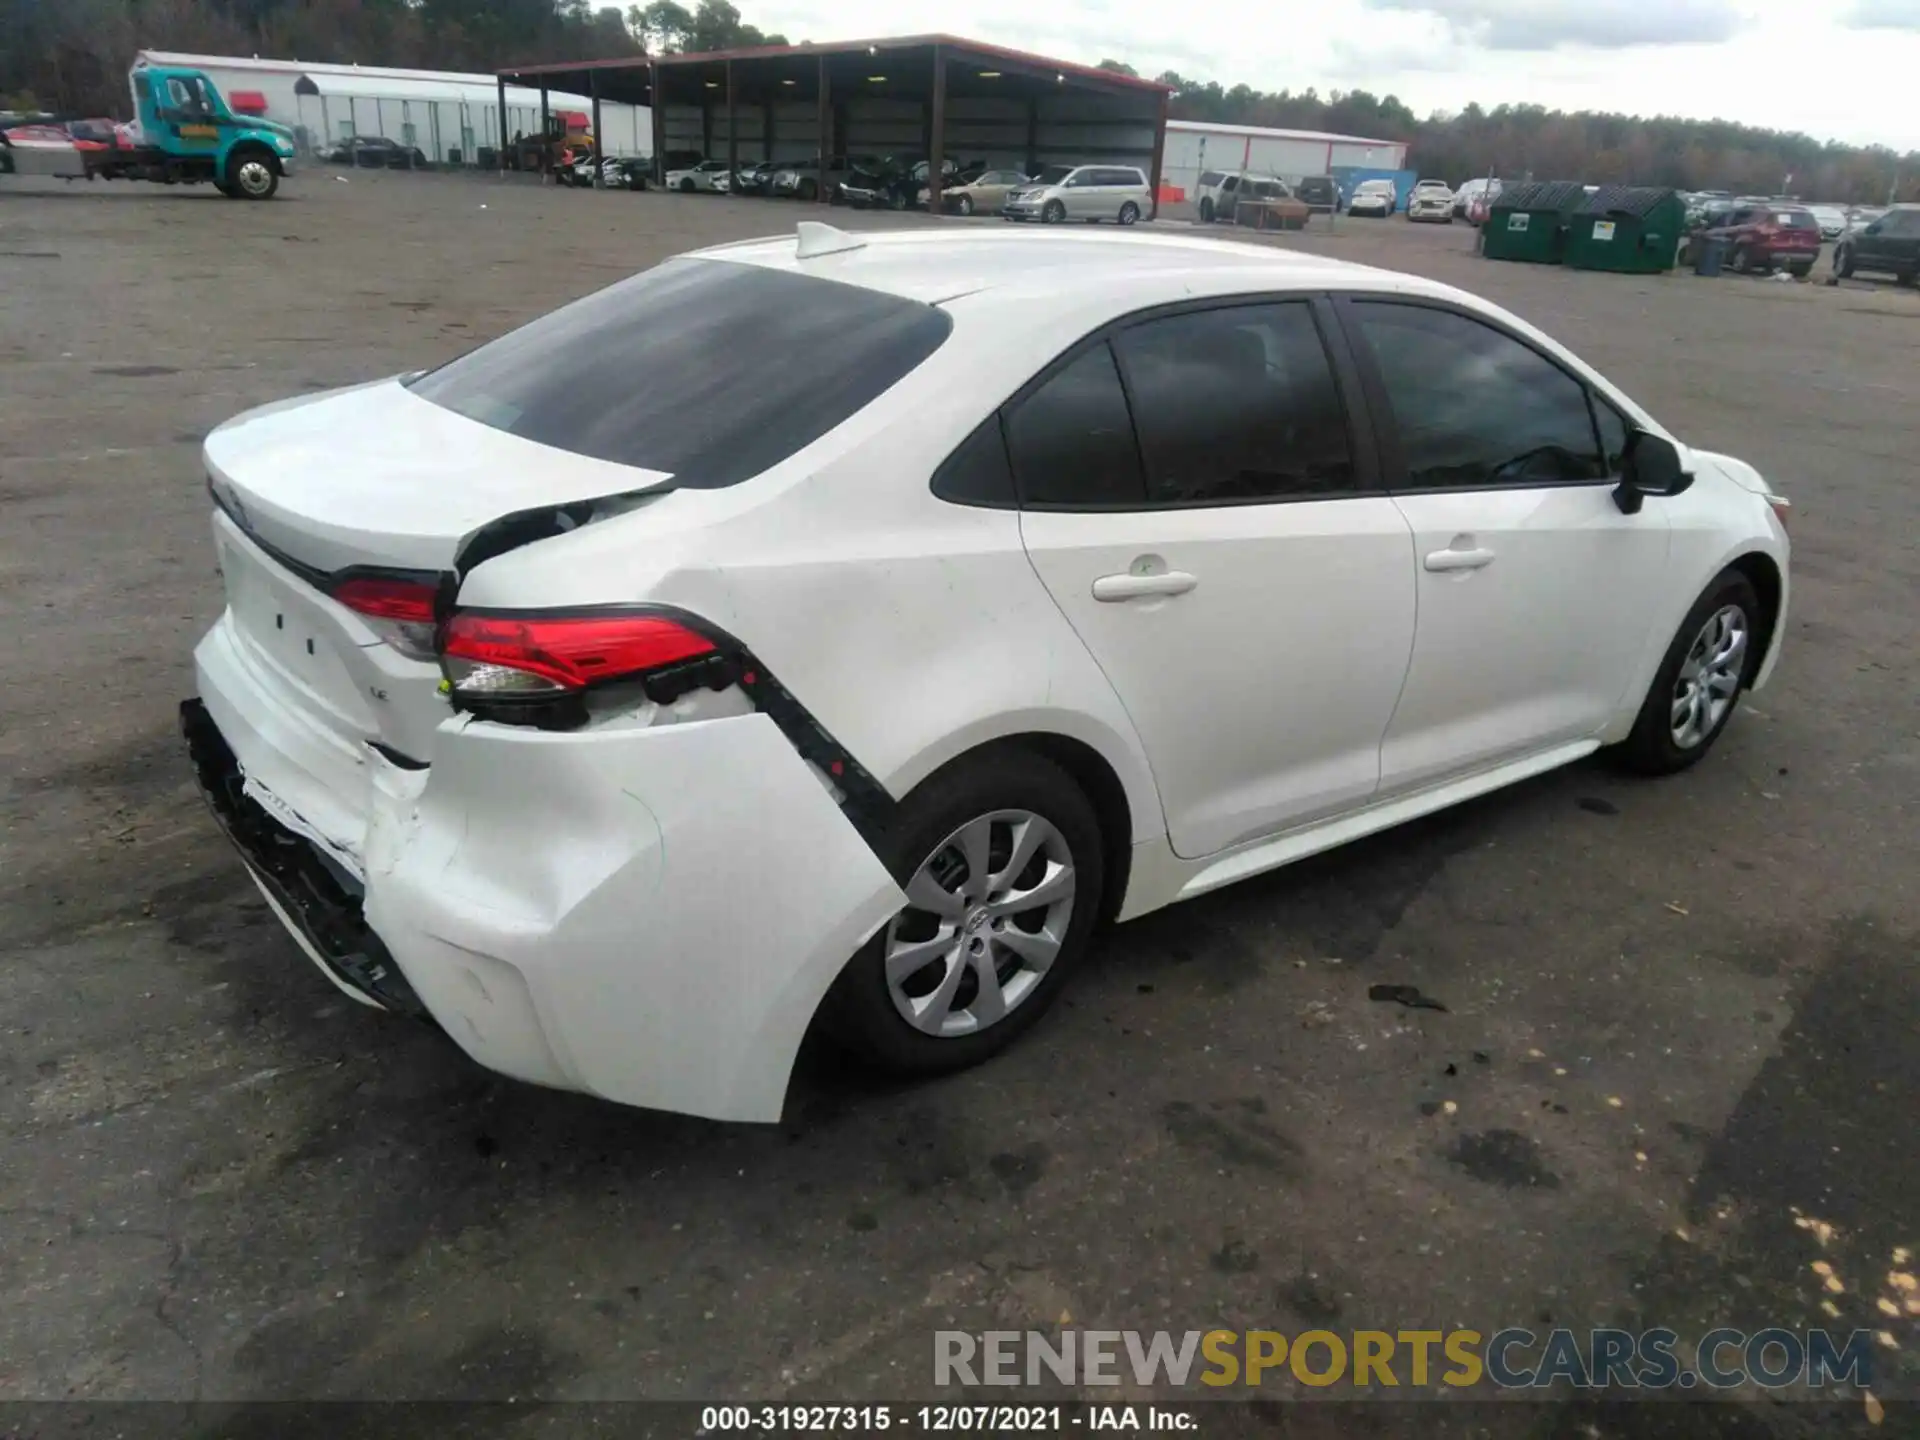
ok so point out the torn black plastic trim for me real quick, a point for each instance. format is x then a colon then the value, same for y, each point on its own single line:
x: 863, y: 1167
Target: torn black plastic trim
x: 865, y: 799
x: 306, y: 885
x: 520, y: 528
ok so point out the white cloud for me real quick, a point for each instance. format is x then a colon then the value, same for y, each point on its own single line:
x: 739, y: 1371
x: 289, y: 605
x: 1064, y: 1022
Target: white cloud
x: 1792, y: 64
x: 1884, y: 15
x: 1603, y: 24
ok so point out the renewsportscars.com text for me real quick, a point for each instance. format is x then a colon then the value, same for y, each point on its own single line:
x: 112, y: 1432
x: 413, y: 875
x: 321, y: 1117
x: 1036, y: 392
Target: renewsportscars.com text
x: 1387, y: 1359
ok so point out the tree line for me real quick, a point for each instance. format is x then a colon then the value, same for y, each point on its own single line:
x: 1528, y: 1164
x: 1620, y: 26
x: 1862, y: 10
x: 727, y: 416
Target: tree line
x: 1531, y: 141
x: 72, y: 55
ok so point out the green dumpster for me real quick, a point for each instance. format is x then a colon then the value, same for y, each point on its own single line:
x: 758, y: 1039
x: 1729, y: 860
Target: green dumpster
x: 1529, y: 222
x: 1633, y: 230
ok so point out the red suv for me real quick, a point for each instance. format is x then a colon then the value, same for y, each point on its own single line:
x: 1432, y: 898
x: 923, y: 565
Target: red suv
x: 1768, y: 237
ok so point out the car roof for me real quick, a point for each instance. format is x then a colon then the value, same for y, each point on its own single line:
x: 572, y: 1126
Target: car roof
x: 938, y: 265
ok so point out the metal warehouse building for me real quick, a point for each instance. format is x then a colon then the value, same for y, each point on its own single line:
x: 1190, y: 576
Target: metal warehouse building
x: 1194, y: 146
x: 936, y: 96
x: 448, y: 115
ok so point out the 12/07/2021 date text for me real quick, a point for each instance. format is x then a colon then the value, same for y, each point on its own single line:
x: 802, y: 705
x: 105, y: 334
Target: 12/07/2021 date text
x: 940, y: 1419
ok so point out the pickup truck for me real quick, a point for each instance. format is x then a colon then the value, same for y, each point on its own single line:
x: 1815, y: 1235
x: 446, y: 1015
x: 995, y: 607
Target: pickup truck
x: 184, y: 134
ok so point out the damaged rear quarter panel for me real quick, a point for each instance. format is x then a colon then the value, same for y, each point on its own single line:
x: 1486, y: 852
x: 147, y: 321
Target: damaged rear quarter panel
x: 651, y: 915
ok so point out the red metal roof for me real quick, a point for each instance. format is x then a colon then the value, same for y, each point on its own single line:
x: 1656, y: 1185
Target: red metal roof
x: 853, y: 47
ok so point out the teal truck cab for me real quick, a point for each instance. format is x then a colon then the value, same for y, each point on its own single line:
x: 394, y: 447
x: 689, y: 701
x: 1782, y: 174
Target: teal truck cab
x: 184, y: 133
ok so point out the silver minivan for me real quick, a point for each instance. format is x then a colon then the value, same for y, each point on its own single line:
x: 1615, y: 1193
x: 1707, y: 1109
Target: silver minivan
x: 1081, y: 192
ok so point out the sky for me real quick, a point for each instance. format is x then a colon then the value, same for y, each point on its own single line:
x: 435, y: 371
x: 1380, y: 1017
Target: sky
x: 1836, y: 69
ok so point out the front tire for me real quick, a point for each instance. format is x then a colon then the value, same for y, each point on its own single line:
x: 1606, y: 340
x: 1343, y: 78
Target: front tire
x: 1843, y: 262
x: 1206, y: 210
x: 1002, y: 859
x: 1700, y: 681
x: 1052, y: 213
x: 251, y: 175
x: 1742, y: 259
x: 964, y: 205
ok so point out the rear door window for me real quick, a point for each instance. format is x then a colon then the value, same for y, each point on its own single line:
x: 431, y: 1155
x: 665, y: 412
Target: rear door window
x: 1237, y: 404
x: 1072, y: 440
x: 708, y: 370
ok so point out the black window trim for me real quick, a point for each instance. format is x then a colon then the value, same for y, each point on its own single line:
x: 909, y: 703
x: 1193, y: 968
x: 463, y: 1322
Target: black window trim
x: 1348, y: 382
x: 1393, y: 461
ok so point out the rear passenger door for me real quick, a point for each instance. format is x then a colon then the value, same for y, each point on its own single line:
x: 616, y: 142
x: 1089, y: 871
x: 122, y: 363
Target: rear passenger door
x: 1231, y: 564
x: 1537, y: 596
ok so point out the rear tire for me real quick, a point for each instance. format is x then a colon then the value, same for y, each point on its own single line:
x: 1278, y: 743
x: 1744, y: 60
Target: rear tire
x: 806, y: 189
x: 1843, y: 262
x: 981, y: 799
x: 1129, y: 213
x: 1741, y: 261
x: 1699, y: 683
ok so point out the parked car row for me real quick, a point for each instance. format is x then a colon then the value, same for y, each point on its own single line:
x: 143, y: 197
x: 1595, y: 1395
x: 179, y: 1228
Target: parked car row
x: 901, y: 182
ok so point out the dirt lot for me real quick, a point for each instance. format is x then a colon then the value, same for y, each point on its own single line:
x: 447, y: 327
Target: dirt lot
x: 1679, y: 1013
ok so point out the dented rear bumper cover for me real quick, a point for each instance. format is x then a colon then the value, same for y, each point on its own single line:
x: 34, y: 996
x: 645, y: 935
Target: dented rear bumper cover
x: 649, y: 915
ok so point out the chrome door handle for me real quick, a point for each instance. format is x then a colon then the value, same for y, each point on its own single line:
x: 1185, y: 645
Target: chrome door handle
x: 1132, y: 587
x: 1443, y: 560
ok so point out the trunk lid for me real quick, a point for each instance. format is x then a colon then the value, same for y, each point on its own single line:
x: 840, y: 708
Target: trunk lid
x: 374, y: 475
x: 373, y: 478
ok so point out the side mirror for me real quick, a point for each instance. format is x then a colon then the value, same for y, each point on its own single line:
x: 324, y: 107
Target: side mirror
x: 1650, y: 466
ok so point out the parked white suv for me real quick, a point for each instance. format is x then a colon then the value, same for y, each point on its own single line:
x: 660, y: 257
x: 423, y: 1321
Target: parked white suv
x: 1081, y: 192
x: 1024, y: 582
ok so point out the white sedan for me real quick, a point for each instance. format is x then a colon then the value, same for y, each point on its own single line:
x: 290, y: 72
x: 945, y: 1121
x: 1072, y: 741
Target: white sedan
x: 1431, y: 200
x: 1032, y: 580
x: 713, y: 176
x: 1373, y: 197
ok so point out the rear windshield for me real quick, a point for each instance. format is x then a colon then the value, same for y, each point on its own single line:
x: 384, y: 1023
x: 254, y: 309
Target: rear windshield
x: 1796, y: 219
x: 708, y: 370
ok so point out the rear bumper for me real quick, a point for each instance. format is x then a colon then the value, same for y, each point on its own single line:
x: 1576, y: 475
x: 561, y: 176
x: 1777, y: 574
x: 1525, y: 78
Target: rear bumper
x: 318, y: 902
x: 648, y: 915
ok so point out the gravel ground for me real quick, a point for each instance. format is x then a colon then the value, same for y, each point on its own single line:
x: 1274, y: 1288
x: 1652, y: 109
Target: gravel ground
x: 1680, y: 1015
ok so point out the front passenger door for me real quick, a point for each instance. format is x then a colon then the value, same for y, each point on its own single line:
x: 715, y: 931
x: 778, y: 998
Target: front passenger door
x: 1245, y: 588
x: 1537, y: 596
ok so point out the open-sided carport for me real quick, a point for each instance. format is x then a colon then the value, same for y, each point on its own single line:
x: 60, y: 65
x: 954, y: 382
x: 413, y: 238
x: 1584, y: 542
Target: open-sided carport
x: 935, y: 96
x: 628, y: 82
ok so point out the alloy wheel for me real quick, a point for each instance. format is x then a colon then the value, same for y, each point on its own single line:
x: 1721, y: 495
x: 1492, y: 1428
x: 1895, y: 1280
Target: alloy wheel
x: 987, y: 913
x: 1709, y: 677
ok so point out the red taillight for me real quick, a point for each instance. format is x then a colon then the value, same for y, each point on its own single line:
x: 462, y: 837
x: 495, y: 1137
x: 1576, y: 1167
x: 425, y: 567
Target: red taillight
x: 502, y: 656
x: 398, y: 609
x: 382, y: 597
